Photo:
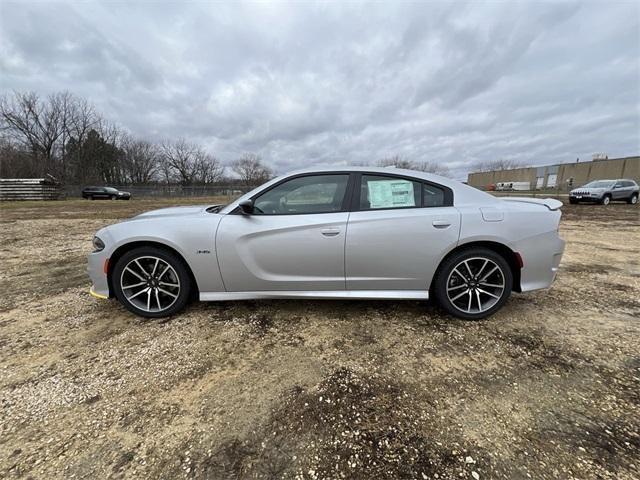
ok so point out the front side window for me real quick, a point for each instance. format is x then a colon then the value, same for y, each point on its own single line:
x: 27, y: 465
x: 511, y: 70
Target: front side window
x: 308, y: 194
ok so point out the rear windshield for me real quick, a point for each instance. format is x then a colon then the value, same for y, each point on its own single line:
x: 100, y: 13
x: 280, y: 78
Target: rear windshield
x: 599, y: 184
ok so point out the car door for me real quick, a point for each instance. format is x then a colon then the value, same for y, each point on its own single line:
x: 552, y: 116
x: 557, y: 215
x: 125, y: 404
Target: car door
x: 627, y: 188
x: 397, y: 232
x: 619, y: 191
x: 293, y: 240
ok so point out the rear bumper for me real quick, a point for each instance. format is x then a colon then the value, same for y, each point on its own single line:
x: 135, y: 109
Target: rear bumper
x: 541, y: 256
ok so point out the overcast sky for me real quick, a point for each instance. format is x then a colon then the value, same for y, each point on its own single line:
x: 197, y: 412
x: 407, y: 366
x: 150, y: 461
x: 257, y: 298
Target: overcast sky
x: 333, y: 83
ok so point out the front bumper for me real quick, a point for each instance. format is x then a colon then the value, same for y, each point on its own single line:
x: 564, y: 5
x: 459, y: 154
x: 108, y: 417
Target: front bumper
x: 96, y: 270
x: 585, y: 198
x: 97, y: 295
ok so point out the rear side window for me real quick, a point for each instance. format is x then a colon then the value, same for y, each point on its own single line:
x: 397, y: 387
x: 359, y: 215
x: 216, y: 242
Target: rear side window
x: 433, y: 196
x: 383, y: 192
x: 377, y: 192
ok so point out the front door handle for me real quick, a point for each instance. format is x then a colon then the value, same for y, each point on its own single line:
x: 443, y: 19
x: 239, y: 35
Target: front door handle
x: 441, y: 223
x: 330, y: 232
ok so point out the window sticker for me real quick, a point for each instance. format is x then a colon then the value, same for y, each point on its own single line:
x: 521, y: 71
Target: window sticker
x: 391, y: 193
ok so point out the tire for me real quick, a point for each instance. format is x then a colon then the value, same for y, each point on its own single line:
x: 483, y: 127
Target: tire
x: 633, y: 199
x: 113, y: 197
x: 573, y: 201
x: 155, y: 298
x: 606, y: 200
x: 451, y: 288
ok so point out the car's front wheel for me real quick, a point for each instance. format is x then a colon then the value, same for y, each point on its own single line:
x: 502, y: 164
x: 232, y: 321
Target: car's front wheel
x: 606, y: 200
x: 151, y: 282
x: 573, y: 201
x: 473, y: 283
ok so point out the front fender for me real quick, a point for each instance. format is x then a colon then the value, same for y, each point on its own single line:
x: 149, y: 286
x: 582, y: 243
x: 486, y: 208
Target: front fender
x: 193, y: 238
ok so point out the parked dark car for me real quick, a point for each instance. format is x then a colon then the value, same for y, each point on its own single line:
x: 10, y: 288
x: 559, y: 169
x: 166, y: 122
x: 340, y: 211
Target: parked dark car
x: 104, y: 193
x: 606, y: 191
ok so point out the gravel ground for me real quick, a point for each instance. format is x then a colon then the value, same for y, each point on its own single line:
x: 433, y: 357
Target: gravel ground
x: 549, y: 387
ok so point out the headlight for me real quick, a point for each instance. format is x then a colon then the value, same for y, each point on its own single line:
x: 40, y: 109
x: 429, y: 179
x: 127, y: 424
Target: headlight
x: 97, y: 244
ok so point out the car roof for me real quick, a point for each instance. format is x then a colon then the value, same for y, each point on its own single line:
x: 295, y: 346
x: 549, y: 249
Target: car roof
x: 388, y: 170
x: 613, y: 180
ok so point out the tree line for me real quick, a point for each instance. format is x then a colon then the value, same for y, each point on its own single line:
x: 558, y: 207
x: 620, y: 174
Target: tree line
x: 64, y: 136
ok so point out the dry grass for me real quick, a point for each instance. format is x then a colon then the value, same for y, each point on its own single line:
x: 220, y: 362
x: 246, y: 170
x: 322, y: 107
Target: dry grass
x: 546, y: 388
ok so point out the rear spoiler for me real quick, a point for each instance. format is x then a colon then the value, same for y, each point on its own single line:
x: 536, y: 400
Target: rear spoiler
x: 550, y: 203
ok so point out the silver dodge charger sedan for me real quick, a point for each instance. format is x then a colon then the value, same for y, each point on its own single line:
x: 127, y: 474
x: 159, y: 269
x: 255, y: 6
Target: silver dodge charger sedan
x: 351, y: 233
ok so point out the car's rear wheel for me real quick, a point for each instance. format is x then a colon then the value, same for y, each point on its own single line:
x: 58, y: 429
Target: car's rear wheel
x: 633, y: 200
x: 606, y: 200
x: 151, y: 282
x: 473, y: 283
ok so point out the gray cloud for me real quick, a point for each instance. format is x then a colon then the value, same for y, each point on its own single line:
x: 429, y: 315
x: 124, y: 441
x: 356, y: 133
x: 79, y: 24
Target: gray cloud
x: 318, y: 83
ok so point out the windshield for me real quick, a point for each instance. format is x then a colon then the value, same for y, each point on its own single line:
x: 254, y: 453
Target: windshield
x: 110, y: 190
x: 599, y: 184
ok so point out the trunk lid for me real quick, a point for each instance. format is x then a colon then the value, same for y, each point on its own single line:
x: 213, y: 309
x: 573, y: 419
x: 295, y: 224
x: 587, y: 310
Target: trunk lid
x: 550, y: 203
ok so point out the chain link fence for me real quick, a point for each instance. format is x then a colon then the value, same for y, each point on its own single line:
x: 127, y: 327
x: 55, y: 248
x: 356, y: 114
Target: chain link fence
x: 151, y: 191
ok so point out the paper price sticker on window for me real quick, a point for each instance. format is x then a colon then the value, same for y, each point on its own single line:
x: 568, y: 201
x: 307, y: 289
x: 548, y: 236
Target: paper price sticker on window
x: 391, y: 193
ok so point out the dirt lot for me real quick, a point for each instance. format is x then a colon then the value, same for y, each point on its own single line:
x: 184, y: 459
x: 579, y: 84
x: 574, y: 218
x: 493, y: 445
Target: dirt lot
x: 547, y: 388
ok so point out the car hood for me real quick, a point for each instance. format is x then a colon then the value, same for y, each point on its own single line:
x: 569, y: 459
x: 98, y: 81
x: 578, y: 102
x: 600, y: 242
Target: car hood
x: 173, y: 212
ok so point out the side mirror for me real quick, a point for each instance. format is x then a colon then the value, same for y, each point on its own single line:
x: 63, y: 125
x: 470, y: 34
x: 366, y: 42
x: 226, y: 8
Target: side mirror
x: 246, y: 206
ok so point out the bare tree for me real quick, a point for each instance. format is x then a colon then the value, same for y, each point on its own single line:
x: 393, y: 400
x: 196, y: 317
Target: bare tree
x: 395, y: 161
x: 189, y: 163
x: 63, y: 135
x: 498, y: 164
x: 432, y: 167
x: 16, y: 161
x: 400, y: 162
x: 251, y: 170
x: 165, y: 169
x: 36, y: 124
x: 141, y: 159
x: 44, y: 127
x: 78, y: 120
x: 209, y: 169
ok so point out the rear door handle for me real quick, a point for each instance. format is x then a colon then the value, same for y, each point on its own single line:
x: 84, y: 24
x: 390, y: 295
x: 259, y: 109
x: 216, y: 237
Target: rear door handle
x: 330, y: 232
x: 441, y: 223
